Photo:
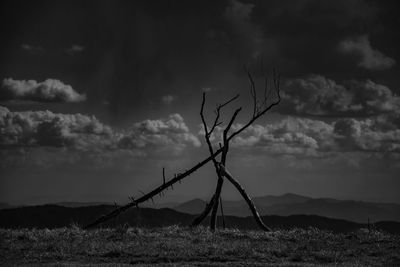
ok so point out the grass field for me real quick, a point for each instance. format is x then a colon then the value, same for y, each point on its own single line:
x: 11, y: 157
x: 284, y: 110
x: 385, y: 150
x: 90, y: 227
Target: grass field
x: 173, y: 246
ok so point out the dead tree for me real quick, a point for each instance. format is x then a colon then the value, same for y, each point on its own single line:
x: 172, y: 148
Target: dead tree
x: 259, y: 109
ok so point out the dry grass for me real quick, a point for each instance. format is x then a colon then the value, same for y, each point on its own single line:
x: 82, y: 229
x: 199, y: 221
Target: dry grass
x: 171, y: 246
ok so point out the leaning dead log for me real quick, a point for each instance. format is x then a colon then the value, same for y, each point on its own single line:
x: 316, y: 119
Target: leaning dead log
x: 153, y: 193
x: 246, y: 197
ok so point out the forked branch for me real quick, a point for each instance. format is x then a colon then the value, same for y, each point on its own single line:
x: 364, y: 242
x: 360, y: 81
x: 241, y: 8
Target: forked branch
x: 259, y: 111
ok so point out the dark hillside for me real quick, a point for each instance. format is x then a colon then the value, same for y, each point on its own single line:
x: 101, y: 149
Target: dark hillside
x: 53, y: 216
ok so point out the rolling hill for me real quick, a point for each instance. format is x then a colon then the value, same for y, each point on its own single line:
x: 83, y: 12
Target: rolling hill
x: 53, y: 216
x: 292, y: 204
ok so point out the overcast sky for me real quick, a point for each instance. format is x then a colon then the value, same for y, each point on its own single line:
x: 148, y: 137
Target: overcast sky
x: 97, y: 97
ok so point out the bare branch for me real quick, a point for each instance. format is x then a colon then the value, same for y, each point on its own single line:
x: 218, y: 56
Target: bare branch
x: 225, y: 136
x: 222, y: 212
x: 267, y: 93
x: 216, y: 165
x: 249, y: 201
x: 217, y: 196
x: 206, y: 132
x: 163, y: 175
x: 264, y: 109
x: 228, y: 127
x: 204, y: 214
x: 218, y: 113
x: 253, y: 91
x: 229, y: 101
x: 210, y: 206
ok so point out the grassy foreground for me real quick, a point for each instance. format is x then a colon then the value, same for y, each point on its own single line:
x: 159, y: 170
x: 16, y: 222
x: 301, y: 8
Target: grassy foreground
x: 172, y: 246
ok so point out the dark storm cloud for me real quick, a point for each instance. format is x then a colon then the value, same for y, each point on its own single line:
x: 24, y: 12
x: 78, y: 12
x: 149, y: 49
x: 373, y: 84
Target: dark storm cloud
x: 50, y: 90
x: 87, y: 133
x: 246, y: 37
x: 318, y: 95
x: 369, y: 57
x: 144, y: 51
x: 137, y: 52
x: 307, y: 32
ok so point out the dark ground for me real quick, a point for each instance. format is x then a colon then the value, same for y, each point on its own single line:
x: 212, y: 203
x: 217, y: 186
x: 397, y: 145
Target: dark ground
x: 173, y: 245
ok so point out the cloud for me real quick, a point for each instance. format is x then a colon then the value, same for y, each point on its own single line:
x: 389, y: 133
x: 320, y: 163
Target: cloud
x: 32, y: 48
x: 317, y: 95
x: 169, y: 134
x: 168, y: 99
x: 75, y: 49
x: 304, y: 137
x: 45, y: 128
x: 86, y: 133
x: 50, y: 90
x: 367, y: 135
x: 370, y: 58
x: 375, y: 98
x: 291, y: 136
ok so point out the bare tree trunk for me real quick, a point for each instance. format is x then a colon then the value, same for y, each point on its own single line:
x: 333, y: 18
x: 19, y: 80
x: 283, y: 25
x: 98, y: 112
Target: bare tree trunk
x: 217, y: 196
x: 225, y: 149
x: 247, y: 198
x: 207, y: 134
x: 222, y: 213
x: 204, y: 214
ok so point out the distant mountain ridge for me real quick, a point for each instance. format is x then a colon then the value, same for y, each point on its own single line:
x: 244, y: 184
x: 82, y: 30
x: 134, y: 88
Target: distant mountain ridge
x: 4, y: 205
x: 53, y: 216
x: 282, y: 205
x: 292, y: 204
